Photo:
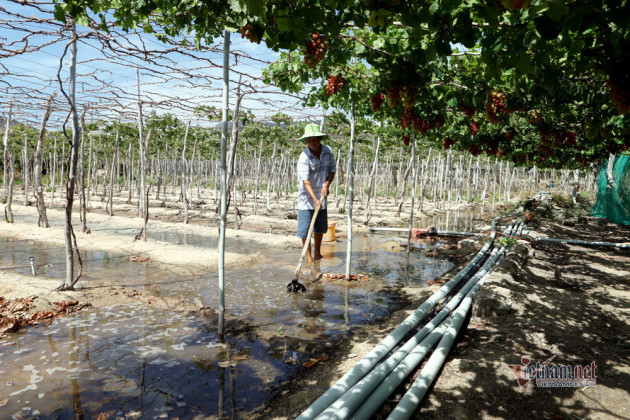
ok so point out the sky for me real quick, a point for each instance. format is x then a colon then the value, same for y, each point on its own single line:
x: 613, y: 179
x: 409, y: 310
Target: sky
x: 174, y: 82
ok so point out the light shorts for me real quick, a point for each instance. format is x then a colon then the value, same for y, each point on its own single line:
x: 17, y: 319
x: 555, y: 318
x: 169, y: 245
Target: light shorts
x: 304, y: 222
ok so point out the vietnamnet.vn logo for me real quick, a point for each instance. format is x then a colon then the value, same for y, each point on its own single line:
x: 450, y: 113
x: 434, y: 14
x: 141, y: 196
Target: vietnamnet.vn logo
x: 549, y: 375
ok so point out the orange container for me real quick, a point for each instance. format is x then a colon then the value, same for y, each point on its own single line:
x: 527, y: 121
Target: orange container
x: 329, y: 236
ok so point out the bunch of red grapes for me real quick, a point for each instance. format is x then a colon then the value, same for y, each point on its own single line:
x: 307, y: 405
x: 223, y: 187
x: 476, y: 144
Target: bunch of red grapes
x: 405, y: 139
x: 408, y: 118
x: 495, y: 105
x: 393, y: 98
x: 473, y: 127
x: 335, y: 83
x: 468, y: 110
x: 447, y: 142
x: 492, y: 146
x: 621, y: 99
x: 474, y: 149
x: 377, y: 101
x: 511, y: 134
x: 247, y: 31
x: 439, y: 121
x: 315, y: 50
x: 516, y: 4
x: 545, y: 136
x: 421, y: 126
x: 408, y: 95
x: 544, y: 150
x: 534, y: 117
x: 568, y: 137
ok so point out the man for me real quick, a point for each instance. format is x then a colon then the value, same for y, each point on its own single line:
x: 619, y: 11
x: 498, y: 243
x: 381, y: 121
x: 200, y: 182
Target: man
x: 316, y: 170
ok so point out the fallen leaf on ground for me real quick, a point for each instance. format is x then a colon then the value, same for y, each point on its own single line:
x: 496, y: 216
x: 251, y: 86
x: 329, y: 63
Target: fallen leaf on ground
x: 65, y: 304
x: 353, y: 277
x: 309, y: 363
x: 8, y: 325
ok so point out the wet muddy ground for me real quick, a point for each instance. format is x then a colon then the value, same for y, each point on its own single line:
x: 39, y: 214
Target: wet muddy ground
x: 140, y: 360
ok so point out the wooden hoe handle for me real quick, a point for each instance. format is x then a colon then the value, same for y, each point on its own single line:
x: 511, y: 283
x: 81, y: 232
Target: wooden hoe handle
x: 308, y: 239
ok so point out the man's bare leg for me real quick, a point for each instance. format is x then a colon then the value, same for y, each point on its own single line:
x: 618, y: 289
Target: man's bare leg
x: 309, y: 259
x: 318, y: 246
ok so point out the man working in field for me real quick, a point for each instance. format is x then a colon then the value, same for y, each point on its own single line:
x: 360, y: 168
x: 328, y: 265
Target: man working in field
x: 316, y: 170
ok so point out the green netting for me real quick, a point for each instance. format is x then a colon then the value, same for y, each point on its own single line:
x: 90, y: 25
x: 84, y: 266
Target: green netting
x: 614, y: 203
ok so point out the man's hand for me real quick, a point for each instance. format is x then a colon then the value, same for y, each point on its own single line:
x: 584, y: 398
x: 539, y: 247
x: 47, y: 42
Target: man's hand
x: 325, y: 190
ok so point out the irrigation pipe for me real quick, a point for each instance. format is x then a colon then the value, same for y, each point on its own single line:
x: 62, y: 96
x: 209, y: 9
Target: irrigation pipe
x: 445, y: 232
x: 348, y: 403
x: 408, y: 404
x: 587, y: 243
x: 389, y: 342
x: 15, y: 268
x: 404, y: 360
x: 471, y: 274
x: 438, y: 232
x: 457, y: 233
x: 378, y: 229
x: 419, y: 388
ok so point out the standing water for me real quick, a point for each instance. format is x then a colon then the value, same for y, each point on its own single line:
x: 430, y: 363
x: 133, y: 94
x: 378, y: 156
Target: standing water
x: 139, y: 361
